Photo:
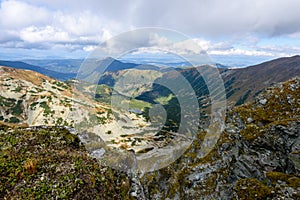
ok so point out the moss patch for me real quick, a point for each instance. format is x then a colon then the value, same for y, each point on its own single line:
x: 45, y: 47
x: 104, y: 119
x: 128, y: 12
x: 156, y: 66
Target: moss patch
x: 251, y: 188
x: 291, y: 181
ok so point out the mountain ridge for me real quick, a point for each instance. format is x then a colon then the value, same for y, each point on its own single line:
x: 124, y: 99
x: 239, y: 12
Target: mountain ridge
x: 23, y: 65
x: 241, y: 84
x: 244, y: 84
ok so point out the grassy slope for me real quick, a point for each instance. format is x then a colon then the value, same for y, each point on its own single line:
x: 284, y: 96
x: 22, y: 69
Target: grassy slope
x: 51, y: 162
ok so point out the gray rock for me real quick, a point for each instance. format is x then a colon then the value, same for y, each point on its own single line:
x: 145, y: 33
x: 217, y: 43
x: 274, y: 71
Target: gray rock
x: 98, y: 153
x: 263, y: 101
x: 250, y: 120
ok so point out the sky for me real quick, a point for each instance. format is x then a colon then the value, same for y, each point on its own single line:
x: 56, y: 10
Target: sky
x: 234, y: 32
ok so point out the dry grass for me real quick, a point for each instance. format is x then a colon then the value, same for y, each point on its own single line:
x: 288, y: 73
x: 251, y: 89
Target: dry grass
x: 30, y: 166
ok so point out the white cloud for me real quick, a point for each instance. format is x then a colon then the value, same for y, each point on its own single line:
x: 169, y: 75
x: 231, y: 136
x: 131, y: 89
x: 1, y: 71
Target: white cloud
x: 34, y: 34
x: 147, y: 41
x: 84, y: 23
x: 27, y: 25
x: 230, y: 27
x: 89, y: 48
x: 16, y: 14
x: 240, y: 52
x: 156, y: 40
x: 221, y: 17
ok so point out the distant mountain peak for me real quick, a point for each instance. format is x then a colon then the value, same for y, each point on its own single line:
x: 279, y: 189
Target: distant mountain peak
x: 50, y: 73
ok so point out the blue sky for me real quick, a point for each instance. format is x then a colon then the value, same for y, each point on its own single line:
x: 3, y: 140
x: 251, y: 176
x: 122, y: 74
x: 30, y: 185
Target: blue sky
x: 235, y: 32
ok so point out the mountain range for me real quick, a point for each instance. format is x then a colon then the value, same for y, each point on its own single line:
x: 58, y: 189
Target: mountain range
x: 51, y: 129
x: 138, y: 85
x: 50, y: 73
x: 241, y: 84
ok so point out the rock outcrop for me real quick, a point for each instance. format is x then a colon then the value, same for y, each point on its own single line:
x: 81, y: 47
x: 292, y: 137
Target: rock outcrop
x: 257, y: 156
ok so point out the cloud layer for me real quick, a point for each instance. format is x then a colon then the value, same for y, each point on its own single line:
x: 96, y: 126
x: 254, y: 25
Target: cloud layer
x: 220, y: 27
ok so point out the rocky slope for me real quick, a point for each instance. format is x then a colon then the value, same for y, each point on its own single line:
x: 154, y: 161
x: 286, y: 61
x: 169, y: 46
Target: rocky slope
x: 242, y: 85
x: 33, y: 99
x: 28, y: 98
x: 257, y: 157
